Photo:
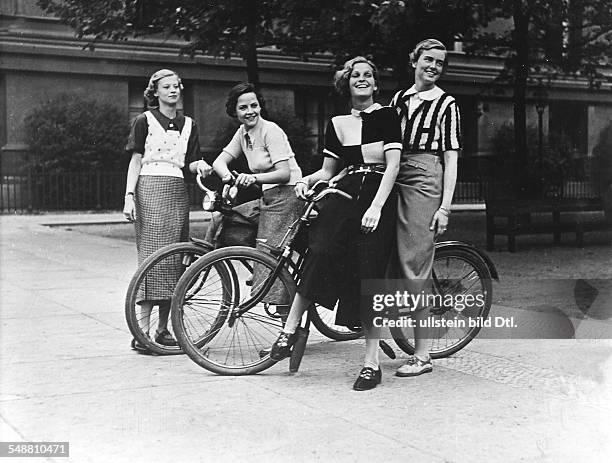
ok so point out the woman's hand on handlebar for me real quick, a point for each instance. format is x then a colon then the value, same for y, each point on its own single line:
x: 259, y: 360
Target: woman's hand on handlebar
x: 333, y: 182
x: 203, y: 169
x: 301, y: 190
x: 245, y: 180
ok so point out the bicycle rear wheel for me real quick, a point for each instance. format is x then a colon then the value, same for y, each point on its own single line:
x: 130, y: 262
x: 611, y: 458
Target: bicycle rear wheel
x: 322, y: 318
x: 458, y: 275
x: 141, y: 324
x: 237, y: 319
x: 325, y: 321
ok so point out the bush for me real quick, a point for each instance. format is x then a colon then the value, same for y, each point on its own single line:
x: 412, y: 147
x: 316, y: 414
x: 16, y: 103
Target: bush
x: 70, y: 133
x: 558, y: 163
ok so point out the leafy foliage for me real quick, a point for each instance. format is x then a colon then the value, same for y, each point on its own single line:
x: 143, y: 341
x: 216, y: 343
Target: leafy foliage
x: 69, y: 133
x: 539, y: 40
x: 556, y: 165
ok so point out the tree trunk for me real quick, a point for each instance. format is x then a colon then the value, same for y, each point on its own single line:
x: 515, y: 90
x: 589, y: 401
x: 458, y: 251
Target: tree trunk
x: 251, y: 52
x: 403, y: 68
x: 521, y: 73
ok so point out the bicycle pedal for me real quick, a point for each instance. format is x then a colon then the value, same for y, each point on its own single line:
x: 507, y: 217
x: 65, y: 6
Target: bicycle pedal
x: 297, y: 352
x: 387, y: 349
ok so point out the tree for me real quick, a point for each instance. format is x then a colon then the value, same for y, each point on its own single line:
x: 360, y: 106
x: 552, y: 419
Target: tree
x: 386, y: 30
x: 217, y: 28
x: 543, y: 40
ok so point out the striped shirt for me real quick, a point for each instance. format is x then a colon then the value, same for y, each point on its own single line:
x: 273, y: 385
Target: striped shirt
x: 430, y: 120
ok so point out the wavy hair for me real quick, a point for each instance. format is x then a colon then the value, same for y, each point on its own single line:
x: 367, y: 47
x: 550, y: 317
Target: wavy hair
x: 241, y: 89
x: 428, y: 44
x: 149, y: 92
x: 342, y: 76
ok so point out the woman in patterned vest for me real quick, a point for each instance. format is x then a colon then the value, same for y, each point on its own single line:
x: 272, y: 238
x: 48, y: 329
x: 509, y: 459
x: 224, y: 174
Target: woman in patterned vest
x: 164, y: 147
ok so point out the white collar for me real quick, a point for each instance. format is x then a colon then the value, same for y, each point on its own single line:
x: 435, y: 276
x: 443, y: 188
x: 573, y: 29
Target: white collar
x: 428, y: 95
x: 369, y: 109
x: 252, y: 130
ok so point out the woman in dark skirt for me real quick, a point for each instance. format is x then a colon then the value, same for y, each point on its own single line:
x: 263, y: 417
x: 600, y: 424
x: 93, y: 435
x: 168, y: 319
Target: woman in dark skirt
x: 352, y: 239
x: 163, y: 145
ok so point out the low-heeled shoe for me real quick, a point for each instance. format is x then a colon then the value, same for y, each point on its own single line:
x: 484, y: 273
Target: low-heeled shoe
x: 368, y: 378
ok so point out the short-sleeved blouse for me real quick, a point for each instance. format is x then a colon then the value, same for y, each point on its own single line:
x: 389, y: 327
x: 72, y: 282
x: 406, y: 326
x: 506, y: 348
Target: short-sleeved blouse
x: 140, y: 129
x: 363, y: 137
x: 263, y: 146
x: 434, y: 125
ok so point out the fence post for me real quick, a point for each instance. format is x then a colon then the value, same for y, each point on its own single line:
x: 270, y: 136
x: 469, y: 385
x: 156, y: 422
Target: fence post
x: 30, y: 192
x: 98, y: 191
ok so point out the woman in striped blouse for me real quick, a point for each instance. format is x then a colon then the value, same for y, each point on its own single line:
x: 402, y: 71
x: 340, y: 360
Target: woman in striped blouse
x: 431, y: 141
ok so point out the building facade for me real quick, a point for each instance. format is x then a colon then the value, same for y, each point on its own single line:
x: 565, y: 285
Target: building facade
x: 40, y: 57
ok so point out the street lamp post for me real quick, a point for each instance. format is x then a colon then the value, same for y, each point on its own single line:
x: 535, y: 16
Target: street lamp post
x: 540, y: 105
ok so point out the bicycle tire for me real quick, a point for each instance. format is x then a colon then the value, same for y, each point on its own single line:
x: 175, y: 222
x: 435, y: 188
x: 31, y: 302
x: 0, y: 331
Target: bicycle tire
x: 449, y: 263
x: 190, y: 251
x: 324, y: 320
x: 239, y: 346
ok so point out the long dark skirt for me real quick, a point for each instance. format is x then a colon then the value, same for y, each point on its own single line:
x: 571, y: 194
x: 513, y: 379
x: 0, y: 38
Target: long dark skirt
x: 340, y: 255
x: 162, y: 218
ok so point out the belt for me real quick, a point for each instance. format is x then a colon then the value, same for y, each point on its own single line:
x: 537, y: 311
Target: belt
x: 366, y: 169
x: 411, y: 153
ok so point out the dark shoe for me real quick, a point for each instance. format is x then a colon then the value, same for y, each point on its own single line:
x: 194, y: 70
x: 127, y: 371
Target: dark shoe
x: 164, y: 338
x: 368, y: 379
x: 414, y: 367
x: 264, y: 352
x: 282, y: 346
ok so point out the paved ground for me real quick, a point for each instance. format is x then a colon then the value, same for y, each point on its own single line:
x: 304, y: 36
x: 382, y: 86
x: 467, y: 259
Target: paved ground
x: 67, y: 374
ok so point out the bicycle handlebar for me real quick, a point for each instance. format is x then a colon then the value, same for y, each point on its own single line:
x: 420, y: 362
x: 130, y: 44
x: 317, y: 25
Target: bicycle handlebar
x: 313, y: 196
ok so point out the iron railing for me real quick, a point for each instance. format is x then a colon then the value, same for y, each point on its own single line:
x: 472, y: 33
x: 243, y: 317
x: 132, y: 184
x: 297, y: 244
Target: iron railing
x: 76, y: 191
x: 103, y: 191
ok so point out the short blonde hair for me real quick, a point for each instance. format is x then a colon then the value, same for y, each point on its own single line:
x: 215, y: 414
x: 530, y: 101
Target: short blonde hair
x: 428, y: 44
x: 149, y: 92
x: 342, y: 76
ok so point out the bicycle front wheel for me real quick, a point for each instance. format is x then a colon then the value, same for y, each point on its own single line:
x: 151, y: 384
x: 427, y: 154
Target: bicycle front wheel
x: 225, y: 314
x: 458, y: 276
x: 143, y: 322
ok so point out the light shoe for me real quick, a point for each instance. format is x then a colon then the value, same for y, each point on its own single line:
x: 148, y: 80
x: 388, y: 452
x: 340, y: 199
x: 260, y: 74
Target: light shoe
x: 414, y: 367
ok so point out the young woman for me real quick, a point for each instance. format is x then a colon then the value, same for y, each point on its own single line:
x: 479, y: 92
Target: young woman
x: 351, y: 240
x: 426, y: 181
x: 272, y: 161
x: 162, y: 144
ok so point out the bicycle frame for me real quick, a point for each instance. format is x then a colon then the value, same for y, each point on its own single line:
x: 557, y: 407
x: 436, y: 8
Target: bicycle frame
x: 285, y: 249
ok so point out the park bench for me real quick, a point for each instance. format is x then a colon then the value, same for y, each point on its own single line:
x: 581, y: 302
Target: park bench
x: 544, y: 216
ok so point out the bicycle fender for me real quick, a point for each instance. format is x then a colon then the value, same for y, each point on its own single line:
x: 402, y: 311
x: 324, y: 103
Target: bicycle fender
x: 474, y: 250
x: 204, y: 244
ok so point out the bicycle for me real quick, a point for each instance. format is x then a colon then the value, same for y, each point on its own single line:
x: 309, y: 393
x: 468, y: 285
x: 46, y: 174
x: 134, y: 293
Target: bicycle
x: 180, y: 256
x: 239, y: 327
